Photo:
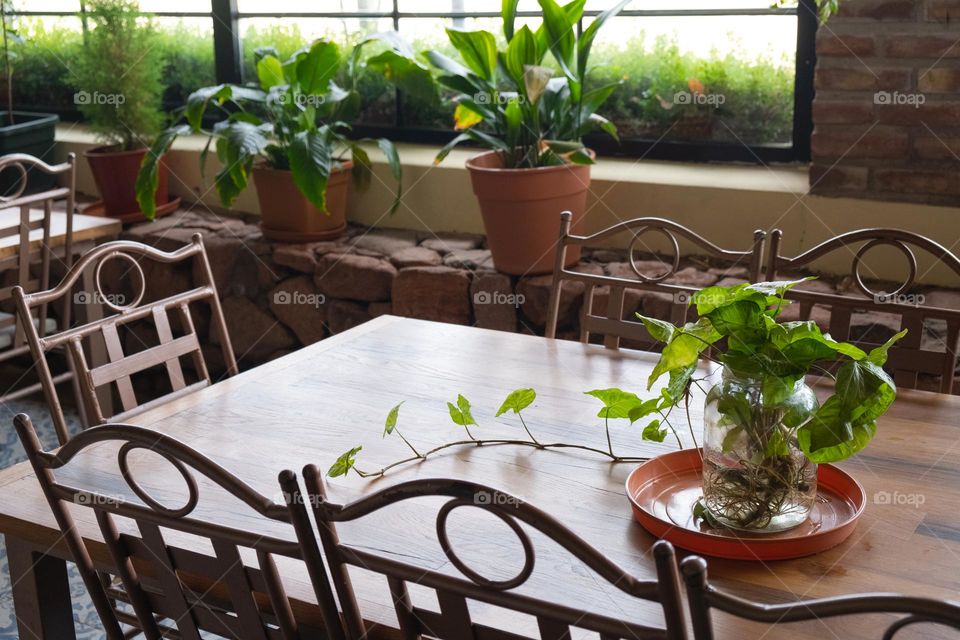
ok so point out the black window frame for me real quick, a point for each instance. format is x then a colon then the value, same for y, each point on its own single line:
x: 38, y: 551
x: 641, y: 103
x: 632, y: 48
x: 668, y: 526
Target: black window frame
x: 228, y: 61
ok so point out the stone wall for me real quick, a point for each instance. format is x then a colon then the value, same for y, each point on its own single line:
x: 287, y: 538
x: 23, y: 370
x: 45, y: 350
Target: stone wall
x: 886, y: 114
x: 280, y: 297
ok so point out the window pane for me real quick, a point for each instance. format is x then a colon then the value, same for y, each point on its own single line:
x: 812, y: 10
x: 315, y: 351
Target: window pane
x: 42, y: 79
x: 301, y: 6
x: 700, y: 78
x: 187, y: 44
x: 176, y: 6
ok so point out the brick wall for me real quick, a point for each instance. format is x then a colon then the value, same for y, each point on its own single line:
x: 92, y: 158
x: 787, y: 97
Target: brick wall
x: 887, y: 108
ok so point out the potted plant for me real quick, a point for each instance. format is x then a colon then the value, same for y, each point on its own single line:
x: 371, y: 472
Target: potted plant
x: 531, y: 120
x: 118, y: 75
x: 289, y: 132
x: 764, y: 429
x: 22, y: 132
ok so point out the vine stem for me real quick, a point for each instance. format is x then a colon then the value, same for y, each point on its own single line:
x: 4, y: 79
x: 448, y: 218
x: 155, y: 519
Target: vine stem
x: 606, y: 427
x: 550, y: 445
x: 407, y: 442
x: 524, y: 423
x: 686, y: 403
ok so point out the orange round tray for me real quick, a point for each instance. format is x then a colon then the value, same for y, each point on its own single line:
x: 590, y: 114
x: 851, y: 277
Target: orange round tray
x: 664, y: 490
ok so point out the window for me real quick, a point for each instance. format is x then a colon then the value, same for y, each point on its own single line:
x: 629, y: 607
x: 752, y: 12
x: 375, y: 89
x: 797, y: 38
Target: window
x: 700, y: 79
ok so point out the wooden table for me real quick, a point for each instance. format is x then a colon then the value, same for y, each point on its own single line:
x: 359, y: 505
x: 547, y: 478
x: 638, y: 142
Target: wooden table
x: 315, y: 403
x: 86, y: 229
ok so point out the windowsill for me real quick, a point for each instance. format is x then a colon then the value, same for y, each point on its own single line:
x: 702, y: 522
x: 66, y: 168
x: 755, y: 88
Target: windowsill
x: 735, y: 177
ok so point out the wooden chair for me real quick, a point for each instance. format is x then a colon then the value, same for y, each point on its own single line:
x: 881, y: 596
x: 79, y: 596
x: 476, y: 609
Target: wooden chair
x: 611, y: 323
x: 454, y: 593
x: 32, y: 261
x: 703, y: 597
x: 118, y: 371
x: 175, y: 592
x: 908, y: 359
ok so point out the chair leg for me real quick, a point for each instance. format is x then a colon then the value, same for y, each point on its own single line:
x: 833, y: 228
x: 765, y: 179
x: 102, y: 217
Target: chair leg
x: 41, y: 593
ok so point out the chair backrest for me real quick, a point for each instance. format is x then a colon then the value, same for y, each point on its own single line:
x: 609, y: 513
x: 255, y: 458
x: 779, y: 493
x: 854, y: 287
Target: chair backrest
x: 611, y: 324
x: 219, y: 592
x: 454, y: 593
x: 909, y: 359
x: 703, y: 597
x: 29, y: 232
x: 121, y: 366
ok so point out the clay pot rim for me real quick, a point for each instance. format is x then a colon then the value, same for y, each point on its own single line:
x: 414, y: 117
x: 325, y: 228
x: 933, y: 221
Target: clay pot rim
x: 111, y: 150
x: 345, y: 165
x: 472, y: 166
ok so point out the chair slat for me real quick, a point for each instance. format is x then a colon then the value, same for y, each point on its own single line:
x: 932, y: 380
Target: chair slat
x: 174, y: 370
x: 172, y: 587
x: 241, y: 591
x: 117, y: 370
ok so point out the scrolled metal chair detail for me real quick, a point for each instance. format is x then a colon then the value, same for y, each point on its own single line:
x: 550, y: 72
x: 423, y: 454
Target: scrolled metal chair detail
x: 703, y: 597
x: 121, y: 366
x: 554, y: 620
x: 611, y: 323
x: 909, y: 358
x: 35, y: 255
x: 174, y: 592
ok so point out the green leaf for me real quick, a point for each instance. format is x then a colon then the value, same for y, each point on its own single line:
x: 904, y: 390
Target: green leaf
x: 517, y: 401
x: 878, y: 356
x: 318, y: 67
x: 396, y: 169
x: 616, y: 402
x: 730, y: 439
x: 238, y: 143
x: 310, y: 163
x: 585, y: 42
x: 684, y: 348
x: 830, y: 437
x: 460, y: 412
x: 391, y: 422
x: 447, y: 148
x: 270, y: 72
x: 478, y: 50
x: 344, y: 463
x: 659, y: 330
x: 406, y: 73
x: 560, y: 37
x: 508, y: 9
x: 148, y: 175
x: 653, y: 432
x: 644, y: 409
x: 521, y: 53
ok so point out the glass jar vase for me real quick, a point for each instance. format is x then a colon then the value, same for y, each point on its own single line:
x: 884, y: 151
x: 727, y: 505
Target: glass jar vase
x: 755, y: 477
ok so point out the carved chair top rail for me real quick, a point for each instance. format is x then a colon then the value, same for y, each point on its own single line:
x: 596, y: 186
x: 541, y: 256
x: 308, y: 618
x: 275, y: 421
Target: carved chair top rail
x: 464, y: 493
x: 102, y: 253
x: 177, y: 453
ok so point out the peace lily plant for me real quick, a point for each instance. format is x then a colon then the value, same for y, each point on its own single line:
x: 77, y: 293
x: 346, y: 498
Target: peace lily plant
x: 527, y: 99
x: 296, y: 120
x: 764, y: 429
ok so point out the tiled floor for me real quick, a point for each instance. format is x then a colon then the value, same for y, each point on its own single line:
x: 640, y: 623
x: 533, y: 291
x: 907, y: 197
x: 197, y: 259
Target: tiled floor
x: 11, y: 453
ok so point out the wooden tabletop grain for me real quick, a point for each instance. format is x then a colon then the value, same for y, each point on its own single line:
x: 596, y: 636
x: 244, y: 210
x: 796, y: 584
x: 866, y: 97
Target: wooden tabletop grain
x: 313, y: 404
x: 84, y: 228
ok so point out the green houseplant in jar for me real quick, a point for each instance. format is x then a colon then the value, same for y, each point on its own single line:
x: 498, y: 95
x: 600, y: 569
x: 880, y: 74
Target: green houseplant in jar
x: 290, y: 133
x: 764, y: 429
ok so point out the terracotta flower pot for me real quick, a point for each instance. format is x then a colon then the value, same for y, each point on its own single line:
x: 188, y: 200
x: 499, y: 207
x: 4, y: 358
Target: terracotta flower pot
x: 115, y: 173
x: 521, y: 211
x: 287, y: 216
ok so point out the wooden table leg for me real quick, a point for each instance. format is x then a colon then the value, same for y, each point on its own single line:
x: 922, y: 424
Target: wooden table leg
x: 41, y: 593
